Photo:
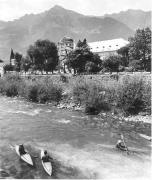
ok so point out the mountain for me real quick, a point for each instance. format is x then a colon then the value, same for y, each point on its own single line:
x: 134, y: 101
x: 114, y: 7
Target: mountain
x: 53, y: 25
x: 134, y: 19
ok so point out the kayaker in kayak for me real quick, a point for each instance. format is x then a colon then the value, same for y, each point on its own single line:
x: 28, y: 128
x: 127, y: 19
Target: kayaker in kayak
x: 46, y: 157
x: 120, y: 145
x: 21, y: 150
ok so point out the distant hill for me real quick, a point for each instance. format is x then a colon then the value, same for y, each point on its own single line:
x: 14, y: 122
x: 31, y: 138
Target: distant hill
x: 134, y: 19
x: 56, y: 23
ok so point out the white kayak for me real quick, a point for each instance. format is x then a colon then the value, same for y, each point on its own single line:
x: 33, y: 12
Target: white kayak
x: 146, y: 137
x: 46, y: 165
x: 25, y: 157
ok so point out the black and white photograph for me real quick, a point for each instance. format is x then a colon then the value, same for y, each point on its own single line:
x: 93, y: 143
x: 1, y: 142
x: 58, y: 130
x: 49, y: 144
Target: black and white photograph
x: 75, y: 89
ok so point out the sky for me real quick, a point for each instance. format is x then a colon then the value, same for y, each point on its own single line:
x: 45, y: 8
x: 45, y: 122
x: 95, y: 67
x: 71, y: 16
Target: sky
x: 13, y: 9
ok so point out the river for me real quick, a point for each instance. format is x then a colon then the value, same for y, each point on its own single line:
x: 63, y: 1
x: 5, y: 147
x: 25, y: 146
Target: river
x: 78, y: 149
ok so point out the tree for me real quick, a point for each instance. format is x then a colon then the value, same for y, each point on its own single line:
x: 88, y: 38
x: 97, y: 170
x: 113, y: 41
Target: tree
x: 18, y: 58
x: 124, y: 53
x: 140, y: 47
x: 25, y: 64
x: 50, y: 64
x: 43, y: 55
x: 112, y: 63
x: 83, y: 44
x: 78, y: 58
x: 79, y: 43
x: 94, y: 65
x: 91, y: 67
x: 11, y: 56
x: 8, y: 67
x: 135, y: 65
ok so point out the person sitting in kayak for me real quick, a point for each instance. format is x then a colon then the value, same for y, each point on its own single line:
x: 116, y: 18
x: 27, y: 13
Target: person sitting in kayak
x: 120, y: 145
x: 21, y: 149
x: 46, y: 157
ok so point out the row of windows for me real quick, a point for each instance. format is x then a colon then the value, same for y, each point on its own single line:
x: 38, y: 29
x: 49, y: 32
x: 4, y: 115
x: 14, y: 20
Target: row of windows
x: 104, y: 46
x: 67, y: 44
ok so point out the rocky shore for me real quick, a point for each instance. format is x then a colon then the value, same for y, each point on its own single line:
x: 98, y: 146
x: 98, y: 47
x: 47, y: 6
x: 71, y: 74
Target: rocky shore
x: 140, y: 123
x: 141, y: 117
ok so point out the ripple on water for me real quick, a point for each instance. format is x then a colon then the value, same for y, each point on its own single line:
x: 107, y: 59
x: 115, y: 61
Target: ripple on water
x: 99, y: 163
x: 70, y: 161
x: 30, y: 113
x: 64, y: 121
x: 91, y: 161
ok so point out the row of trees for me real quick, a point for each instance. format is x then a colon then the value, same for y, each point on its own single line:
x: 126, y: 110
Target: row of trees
x: 136, y: 56
x: 43, y: 56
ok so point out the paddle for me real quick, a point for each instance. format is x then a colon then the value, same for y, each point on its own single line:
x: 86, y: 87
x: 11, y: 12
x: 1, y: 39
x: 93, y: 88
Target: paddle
x: 122, y: 137
x: 11, y: 146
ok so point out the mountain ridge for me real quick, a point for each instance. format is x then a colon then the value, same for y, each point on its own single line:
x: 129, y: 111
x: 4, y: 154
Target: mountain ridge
x: 134, y: 19
x: 55, y: 23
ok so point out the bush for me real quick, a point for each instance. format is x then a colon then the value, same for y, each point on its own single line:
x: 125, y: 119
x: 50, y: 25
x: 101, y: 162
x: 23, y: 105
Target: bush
x: 130, y: 96
x: 31, y: 92
x: 64, y: 79
x: 80, y: 90
x: 87, y: 93
x: 10, y: 85
x: 1, y: 85
x: 11, y: 89
x: 49, y: 92
x: 147, y: 95
x: 12, y: 77
x: 35, y: 90
x: 96, y: 102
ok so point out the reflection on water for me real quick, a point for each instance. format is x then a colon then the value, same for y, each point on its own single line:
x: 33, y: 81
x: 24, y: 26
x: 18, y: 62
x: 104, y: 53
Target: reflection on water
x: 80, y: 146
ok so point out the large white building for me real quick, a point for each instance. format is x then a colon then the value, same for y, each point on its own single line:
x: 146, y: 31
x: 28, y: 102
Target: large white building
x: 108, y: 47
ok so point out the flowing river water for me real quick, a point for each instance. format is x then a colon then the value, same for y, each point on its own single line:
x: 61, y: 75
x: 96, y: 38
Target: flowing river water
x: 78, y: 150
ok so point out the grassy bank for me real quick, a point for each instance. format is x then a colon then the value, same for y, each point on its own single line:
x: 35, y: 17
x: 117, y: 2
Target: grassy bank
x: 35, y: 90
x: 130, y: 94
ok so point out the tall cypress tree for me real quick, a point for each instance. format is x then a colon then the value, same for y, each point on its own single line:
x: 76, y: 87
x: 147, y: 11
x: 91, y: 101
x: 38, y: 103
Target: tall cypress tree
x: 11, y: 56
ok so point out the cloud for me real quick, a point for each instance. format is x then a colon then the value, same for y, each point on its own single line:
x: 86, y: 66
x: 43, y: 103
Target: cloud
x: 11, y: 9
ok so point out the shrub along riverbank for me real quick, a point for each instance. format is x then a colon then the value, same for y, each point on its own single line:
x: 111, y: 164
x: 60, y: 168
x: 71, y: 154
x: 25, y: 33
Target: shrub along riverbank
x: 130, y: 94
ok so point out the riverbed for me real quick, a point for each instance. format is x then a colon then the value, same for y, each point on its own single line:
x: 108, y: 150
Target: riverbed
x: 77, y: 147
